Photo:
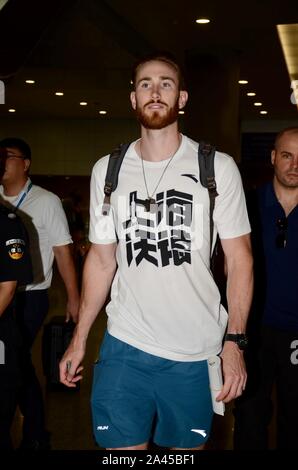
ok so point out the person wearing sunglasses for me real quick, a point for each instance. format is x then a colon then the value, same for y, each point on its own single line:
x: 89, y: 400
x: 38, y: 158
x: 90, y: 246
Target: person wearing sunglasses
x: 272, y: 355
x: 15, y: 268
x: 46, y: 223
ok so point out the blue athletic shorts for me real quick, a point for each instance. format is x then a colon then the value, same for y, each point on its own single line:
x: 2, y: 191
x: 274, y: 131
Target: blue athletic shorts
x: 138, y: 397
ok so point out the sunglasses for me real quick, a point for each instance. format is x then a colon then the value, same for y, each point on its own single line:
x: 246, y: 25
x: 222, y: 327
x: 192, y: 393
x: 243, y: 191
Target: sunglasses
x: 281, y: 237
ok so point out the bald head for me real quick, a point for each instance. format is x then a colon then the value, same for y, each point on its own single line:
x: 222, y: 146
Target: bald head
x: 288, y: 132
x: 284, y: 158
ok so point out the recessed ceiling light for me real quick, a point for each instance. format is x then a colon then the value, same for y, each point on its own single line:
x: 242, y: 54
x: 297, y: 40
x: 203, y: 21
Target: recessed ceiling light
x: 258, y: 103
x: 202, y: 21
x: 59, y: 93
x: 83, y: 103
x: 251, y: 93
x: 264, y: 112
x: 30, y: 81
x: 102, y: 111
x: 243, y: 82
x: 181, y: 111
x: 2, y: 3
x: 11, y: 110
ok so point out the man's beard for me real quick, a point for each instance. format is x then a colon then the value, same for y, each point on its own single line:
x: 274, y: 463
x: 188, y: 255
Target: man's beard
x: 155, y: 120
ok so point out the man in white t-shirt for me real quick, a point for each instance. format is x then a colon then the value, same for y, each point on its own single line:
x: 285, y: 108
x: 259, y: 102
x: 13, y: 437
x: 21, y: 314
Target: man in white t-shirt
x: 43, y: 216
x: 165, y: 318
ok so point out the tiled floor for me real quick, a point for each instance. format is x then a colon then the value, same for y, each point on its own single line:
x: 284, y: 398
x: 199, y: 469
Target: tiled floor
x: 68, y: 412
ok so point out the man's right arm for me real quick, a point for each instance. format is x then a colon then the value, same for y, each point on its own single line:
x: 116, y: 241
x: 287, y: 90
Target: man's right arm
x: 99, y: 271
x: 7, y: 290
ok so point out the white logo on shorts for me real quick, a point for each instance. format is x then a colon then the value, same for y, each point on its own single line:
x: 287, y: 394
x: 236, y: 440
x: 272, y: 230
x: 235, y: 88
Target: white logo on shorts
x: 200, y: 431
x: 102, y: 428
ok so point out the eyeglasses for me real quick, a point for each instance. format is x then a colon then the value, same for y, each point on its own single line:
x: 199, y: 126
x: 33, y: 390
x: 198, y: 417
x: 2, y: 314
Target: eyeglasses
x: 281, y: 237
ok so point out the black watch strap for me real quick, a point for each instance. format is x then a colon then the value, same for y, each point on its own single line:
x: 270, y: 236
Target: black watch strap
x: 239, y: 338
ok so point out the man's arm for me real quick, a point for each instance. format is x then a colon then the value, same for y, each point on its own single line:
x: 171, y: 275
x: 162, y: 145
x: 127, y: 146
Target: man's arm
x: 7, y: 290
x: 98, y: 274
x: 67, y: 271
x: 239, y: 264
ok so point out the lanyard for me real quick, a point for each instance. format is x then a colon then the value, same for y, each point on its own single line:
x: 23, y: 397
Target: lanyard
x: 22, y: 196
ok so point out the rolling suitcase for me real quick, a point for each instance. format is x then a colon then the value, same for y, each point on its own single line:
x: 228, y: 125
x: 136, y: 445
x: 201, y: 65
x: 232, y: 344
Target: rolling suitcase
x: 56, y: 337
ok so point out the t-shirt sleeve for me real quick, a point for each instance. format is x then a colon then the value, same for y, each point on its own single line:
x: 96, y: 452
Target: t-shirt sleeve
x: 55, y: 221
x: 15, y: 259
x: 230, y: 213
x: 102, y: 227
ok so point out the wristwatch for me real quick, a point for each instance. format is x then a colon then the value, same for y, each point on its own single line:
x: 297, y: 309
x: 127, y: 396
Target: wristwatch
x: 240, y: 339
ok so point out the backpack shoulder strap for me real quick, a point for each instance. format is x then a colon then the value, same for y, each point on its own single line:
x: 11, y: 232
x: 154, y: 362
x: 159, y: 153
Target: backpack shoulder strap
x: 111, y: 180
x: 206, y: 154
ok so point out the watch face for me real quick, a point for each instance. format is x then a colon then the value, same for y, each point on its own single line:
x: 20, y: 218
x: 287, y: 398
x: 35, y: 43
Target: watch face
x: 242, y: 343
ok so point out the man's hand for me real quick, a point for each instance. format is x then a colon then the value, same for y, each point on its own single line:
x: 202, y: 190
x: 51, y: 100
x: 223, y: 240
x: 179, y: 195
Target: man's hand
x: 70, y: 366
x: 234, y: 372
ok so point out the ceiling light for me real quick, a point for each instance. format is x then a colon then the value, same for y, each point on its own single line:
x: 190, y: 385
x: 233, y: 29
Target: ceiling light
x: 202, y: 21
x: 59, y: 93
x: 288, y: 36
x: 2, y: 3
x: 243, y: 82
x: 258, y: 103
x: 11, y: 110
x: 30, y: 81
x: 181, y: 111
x: 83, y: 103
x: 251, y: 93
x: 264, y: 112
x: 102, y: 112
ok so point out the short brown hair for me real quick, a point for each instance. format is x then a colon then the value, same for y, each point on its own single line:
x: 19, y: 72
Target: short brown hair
x: 161, y: 56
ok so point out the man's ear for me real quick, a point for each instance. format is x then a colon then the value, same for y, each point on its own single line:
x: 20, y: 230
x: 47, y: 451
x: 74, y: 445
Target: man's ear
x: 27, y: 164
x: 273, y: 155
x: 133, y: 99
x: 183, y: 97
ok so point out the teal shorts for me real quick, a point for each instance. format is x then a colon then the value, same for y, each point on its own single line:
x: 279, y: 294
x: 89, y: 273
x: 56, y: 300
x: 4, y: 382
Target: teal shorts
x: 138, y: 397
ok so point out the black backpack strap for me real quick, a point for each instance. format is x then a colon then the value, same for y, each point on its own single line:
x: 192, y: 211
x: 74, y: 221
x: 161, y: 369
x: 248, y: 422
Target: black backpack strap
x: 206, y: 154
x: 111, y: 181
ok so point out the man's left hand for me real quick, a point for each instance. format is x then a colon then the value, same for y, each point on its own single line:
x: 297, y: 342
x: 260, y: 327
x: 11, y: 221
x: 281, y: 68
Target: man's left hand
x: 234, y: 372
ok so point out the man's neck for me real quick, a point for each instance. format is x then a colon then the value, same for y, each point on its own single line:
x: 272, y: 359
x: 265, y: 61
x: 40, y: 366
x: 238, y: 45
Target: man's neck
x: 159, y: 144
x: 13, y: 189
x: 287, y: 197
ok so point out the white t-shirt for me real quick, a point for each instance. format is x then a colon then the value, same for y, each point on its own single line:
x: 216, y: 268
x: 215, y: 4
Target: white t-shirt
x: 46, y: 223
x: 164, y: 300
